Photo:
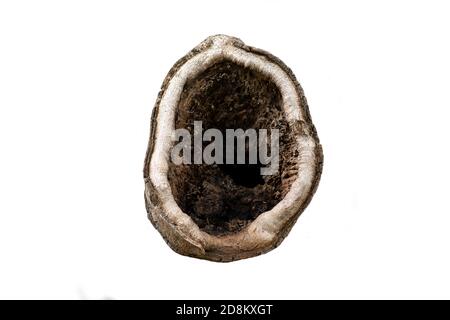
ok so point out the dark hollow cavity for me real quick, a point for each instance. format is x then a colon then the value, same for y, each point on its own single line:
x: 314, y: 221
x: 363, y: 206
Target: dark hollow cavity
x: 223, y: 199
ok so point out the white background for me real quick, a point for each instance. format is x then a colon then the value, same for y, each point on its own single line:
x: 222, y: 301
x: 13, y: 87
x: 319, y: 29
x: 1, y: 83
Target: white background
x: 78, y: 80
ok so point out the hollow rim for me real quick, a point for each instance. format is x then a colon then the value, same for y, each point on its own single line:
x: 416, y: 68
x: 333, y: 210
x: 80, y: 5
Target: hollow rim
x: 270, y: 227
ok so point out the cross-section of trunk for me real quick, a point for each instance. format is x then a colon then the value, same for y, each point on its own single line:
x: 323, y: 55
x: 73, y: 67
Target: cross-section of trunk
x: 222, y: 211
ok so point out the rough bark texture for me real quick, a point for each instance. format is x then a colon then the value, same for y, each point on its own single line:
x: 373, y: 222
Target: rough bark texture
x: 221, y: 204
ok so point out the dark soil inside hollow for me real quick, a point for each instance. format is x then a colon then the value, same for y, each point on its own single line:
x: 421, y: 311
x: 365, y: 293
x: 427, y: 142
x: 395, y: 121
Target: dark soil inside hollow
x: 225, y: 198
